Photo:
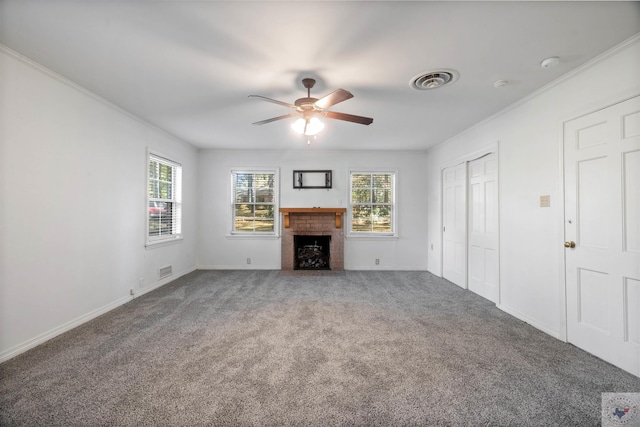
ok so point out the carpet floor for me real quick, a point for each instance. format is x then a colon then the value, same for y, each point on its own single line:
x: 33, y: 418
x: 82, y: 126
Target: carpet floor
x: 254, y: 348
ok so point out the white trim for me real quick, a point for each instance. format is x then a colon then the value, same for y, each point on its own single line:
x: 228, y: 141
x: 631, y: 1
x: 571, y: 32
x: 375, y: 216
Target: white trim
x: 52, y: 333
x: 239, y: 267
x: 372, y: 236
x: 499, y: 227
x: 275, y: 234
x: 152, y: 287
x: 164, y: 242
x: 52, y: 74
x: 253, y: 236
x: 365, y: 235
x: 278, y: 268
x: 386, y: 268
x: 529, y: 320
x: 562, y: 279
x: 468, y: 157
x: 160, y: 157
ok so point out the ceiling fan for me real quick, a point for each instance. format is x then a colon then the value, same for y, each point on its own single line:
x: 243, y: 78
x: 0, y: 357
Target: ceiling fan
x: 308, y: 108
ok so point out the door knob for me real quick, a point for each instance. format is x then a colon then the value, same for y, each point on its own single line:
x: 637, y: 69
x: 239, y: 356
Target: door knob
x: 569, y: 244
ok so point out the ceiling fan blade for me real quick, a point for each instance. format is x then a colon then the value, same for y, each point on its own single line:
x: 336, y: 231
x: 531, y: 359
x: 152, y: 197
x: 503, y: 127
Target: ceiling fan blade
x: 275, y: 101
x: 286, y: 116
x: 333, y: 98
x: 348, y: 117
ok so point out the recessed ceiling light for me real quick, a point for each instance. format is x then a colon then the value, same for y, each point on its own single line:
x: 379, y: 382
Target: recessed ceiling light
x: 500, y: 83
x: 433, y: 79
x: 550, y: 62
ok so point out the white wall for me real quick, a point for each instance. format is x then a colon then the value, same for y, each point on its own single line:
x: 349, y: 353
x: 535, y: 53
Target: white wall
x: 217, y: 250
x: 530, y: 141
x: 73, y: 207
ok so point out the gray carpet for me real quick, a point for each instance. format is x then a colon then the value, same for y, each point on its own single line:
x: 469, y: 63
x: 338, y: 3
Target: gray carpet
x: 261, y: 348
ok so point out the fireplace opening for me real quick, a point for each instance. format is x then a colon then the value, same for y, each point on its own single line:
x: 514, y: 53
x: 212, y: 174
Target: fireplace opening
x: 312, y: 252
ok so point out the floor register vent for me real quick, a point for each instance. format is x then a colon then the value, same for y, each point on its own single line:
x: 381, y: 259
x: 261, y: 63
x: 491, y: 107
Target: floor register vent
x: 164, y: 272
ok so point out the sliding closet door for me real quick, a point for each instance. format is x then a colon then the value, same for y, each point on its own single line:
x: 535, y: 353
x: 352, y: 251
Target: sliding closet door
x: 483, y: 227
x: 454, y: 224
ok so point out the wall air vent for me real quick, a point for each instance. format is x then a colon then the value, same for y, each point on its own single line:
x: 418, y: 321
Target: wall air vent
x: 164, y: 272
x: 434, y: 79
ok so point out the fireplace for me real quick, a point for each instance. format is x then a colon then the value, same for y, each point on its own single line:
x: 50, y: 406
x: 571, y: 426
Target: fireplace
x: 311, y: 252
x: 305, y: 231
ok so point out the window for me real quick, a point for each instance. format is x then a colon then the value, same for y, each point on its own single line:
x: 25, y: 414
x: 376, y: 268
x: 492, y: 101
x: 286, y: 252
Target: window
x: 254, y: 202
x: 164, y: 199
x: 372, y: 203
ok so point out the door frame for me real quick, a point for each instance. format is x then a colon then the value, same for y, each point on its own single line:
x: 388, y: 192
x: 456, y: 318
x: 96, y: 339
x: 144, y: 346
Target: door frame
x: 593, y: 107
x: 466, y: 158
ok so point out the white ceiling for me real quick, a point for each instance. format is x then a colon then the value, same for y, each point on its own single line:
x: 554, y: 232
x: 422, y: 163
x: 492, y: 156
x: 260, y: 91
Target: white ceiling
x: 188, y: 66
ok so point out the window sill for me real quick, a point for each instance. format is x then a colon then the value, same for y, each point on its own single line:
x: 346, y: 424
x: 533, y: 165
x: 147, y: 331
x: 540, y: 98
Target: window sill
x: 253, y: 236
x: 163, y: 242
x: 372, y: 237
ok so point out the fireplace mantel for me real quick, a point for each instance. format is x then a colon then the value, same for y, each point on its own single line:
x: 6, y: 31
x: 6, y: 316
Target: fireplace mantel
x: 337, y: 211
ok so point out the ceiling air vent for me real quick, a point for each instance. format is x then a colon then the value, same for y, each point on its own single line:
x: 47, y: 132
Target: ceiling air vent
x: 434, y: 79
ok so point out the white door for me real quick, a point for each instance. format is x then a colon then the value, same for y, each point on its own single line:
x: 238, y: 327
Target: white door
x: 602, y: 209
x: 454, y: 229
x: 483, y: 227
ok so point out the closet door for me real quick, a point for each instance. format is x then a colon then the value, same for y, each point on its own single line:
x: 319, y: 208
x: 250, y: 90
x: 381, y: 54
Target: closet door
x: 483, y: 263
x: 454, y: 224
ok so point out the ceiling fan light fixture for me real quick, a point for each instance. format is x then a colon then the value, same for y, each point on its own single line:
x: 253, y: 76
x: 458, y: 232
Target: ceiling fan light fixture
x: 313, y: 126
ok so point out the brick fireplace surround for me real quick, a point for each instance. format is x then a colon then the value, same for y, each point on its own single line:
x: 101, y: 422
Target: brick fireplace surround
x: 313, y: 222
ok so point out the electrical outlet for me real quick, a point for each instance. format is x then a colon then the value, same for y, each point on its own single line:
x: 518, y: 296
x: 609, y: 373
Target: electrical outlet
x: 140, y: 282
x: 545, y: 201
x: 377, y: 261
x: 248, y: 260
x: 131, y: 292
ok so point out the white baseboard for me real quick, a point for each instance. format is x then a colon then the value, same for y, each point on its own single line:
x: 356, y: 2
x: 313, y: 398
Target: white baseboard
x: 529, y: 320
x: 385, y: 268
x: 239, y: 267
x: 277, y: 267
x: 160, y: 283
x: 52, y: 333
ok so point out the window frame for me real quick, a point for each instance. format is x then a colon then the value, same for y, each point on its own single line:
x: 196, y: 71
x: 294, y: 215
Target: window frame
x: 393, y: 204
x: 276, y: 203
x: 176, y: 200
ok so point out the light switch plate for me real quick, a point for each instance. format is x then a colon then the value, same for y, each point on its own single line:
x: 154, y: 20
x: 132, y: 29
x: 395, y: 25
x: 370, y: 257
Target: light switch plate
x: 545, y: 201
